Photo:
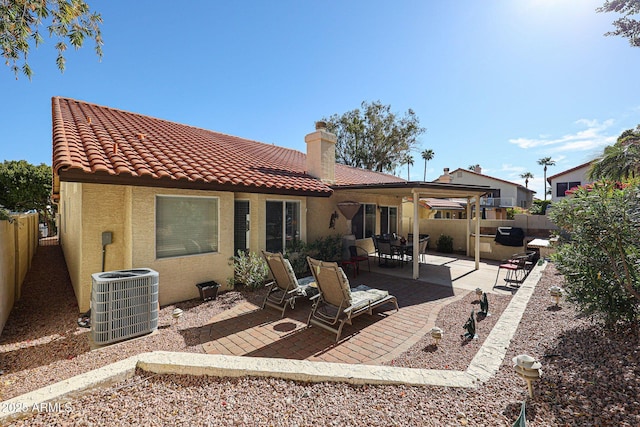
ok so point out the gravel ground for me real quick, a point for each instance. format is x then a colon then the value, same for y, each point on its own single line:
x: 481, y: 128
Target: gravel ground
x: 590, y: 376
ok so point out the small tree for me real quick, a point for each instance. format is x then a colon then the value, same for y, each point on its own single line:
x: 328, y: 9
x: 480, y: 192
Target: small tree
x: 601, y: 261
x: 24, y: 186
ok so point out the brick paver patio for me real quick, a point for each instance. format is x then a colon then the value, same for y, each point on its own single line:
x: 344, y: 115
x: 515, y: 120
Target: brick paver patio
x: 247, y: 330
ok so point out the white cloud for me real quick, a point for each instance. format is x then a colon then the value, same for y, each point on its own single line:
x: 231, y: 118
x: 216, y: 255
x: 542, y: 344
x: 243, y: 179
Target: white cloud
x: 594, y: 136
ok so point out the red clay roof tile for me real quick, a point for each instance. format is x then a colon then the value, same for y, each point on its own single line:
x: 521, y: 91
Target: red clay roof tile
x: 89, y: 138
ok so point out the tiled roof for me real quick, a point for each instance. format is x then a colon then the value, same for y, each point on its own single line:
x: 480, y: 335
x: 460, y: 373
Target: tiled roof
x: 347, y: 175
x: 106, y: 143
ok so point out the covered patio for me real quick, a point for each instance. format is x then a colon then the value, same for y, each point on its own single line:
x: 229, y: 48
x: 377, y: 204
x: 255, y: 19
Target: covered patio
x: 247, y: 330
x: 418, y: 190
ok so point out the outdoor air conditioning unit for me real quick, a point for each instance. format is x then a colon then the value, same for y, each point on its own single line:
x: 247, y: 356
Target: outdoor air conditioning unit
x: 124, y: 304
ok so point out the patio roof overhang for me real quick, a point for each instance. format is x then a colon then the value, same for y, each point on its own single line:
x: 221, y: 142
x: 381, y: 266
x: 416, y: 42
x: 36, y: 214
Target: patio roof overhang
x: 420, y: 189
x: 425, y: 189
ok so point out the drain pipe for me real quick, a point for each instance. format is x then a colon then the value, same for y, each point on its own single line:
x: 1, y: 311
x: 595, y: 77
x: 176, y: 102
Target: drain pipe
x: 107, y: 237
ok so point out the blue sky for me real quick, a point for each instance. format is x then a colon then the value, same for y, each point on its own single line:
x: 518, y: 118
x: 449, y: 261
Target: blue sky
x: 500, y: 83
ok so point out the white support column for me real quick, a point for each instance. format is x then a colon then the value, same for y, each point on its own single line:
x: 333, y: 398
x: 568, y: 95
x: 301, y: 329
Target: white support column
x: 478, y: 218
x: 468, y: 209
x: 416, y: 235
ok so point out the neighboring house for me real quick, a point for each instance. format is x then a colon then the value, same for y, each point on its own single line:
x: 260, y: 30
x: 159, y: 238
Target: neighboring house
x: 563, y: 181
x: 182, y: 200
x: 503, y: 194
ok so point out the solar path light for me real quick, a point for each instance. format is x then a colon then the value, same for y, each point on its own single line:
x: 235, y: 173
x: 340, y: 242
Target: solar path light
x: 529, y: 369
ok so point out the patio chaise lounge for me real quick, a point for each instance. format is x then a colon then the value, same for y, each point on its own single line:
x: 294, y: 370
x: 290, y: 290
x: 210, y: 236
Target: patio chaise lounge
x: 337, y: 303
x: 285, y: 287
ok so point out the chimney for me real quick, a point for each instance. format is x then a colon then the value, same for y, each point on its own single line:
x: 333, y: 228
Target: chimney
x: 477, y: 169
x: 321, y: 154
x: 445, y: 177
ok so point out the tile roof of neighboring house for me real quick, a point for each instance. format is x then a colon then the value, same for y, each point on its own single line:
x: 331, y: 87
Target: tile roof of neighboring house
x: 549, y: 178
x: 494, y: 178
x: 102, y: 144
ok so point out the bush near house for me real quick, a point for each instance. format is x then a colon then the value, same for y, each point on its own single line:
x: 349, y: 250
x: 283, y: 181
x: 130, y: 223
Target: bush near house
x: 445, y: 244
x: 599, y: 255
x: 327, y: 248
x: 249, y: 269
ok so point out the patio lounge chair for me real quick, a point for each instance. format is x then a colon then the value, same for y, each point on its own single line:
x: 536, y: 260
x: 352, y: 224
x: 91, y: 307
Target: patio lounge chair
x: 285, y: 287
x: 337, y: 303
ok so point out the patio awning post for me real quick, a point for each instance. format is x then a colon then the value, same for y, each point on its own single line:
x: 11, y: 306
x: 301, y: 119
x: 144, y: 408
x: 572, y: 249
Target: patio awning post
x: 478, y: 217
x: 416, y: 235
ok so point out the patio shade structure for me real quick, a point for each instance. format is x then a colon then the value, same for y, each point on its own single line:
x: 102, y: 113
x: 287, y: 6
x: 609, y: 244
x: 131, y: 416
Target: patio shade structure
x: 416, y: 190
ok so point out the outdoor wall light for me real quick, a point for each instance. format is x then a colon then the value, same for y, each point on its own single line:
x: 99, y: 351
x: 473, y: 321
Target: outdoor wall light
x: 436, y: 334
x: 556, y: 293
x: 529, y: 369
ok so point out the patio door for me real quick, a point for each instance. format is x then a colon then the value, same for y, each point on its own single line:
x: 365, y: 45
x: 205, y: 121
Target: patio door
x: 241, y: 226
x: 388, y: 219
x: 282, y: 225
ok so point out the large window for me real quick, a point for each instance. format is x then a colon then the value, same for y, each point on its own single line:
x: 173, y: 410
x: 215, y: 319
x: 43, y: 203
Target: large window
x: 388, y: 219
x: 363, y: 223
x: 186, y: 225
x: 283, y: 225
x: 561, y: 187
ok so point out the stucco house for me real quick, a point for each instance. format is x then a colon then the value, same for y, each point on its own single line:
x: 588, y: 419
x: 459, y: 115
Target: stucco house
x: 181, y: 200
x: 568, y: 179
x: 503, y: 194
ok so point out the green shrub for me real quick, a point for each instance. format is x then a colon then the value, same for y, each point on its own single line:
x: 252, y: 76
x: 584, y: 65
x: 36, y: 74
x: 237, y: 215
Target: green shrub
x: 249, y: 269
x: 599, y: 254
x: 445, y: 244
x: 539, y: 207
x: 512, y: 212
x: 327, y: 248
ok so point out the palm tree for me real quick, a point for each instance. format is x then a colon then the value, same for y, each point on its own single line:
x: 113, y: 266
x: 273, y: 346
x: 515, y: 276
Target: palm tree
x: 546, y: 161
x: 427, y: 155
x: 408, y: 160
x: 526, y: 176
x: 619, y: 161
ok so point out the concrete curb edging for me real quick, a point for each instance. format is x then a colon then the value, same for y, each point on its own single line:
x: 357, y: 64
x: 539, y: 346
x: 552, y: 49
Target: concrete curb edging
x: 483, y: 366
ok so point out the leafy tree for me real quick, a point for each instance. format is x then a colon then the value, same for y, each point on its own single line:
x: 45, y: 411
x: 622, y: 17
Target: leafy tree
x: 626, y: 26
x: 69, y: 21
x: 526, y: 176
x: 546, y: 161
x: 601, y: 261
x: 620, y: 161
x: 427, y: 155
x: 24, y: 186
x: 373, y: 137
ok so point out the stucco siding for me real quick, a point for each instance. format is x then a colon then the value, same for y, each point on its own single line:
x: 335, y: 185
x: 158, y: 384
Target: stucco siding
x: 70, y: 232
x: 320, y: 210
x: 577, y: 175
x: 129, y: 213
x: 179, y: 275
